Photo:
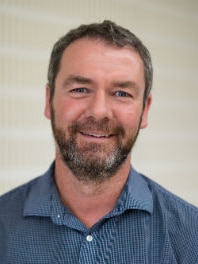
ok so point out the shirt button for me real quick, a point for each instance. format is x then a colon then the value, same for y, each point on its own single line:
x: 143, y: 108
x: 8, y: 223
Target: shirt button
x: 58, y: 216
x: 89, y: 238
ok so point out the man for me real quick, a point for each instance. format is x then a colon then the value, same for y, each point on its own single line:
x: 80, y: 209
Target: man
x: 91, y: 206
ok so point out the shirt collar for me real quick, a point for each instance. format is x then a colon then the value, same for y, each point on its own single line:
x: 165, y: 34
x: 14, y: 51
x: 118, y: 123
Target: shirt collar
x: 43, y: 198
x: 136, y: 194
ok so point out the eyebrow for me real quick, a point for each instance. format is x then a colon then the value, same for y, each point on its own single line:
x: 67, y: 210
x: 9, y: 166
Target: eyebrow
x: 125, y: 84
x: 84, y: 80
x: 77, y: 79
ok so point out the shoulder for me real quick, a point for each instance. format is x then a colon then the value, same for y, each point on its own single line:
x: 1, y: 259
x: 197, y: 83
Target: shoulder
x: 179, y: 217
x: 168, y: 200
x: 162, y: 199
x: 175, y: 222
x: 12, y: 206
x: 172, y: 204
x: 13, y: 201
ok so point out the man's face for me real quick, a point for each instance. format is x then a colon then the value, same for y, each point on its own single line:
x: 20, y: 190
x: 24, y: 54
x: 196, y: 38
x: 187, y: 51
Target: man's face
x: 97, y: 108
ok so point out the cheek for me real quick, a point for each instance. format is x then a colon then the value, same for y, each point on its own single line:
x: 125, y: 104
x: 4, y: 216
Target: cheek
x: 66, y: 111
x: 129, y: 118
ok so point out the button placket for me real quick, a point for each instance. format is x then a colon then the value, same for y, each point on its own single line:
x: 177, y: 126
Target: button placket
x: 88, y: 249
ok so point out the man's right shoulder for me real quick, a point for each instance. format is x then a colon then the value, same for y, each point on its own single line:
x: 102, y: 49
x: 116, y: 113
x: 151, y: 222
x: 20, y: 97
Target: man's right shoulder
x: 14, y: 199
x: 19, y: 194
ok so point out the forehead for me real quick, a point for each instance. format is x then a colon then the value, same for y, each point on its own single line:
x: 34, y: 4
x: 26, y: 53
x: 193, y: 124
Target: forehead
x: 86, y: 47
x: 99, y: 61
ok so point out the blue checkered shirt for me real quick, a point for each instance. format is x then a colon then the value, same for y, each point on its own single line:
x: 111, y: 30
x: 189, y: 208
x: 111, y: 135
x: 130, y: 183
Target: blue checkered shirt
x: 148, y: 225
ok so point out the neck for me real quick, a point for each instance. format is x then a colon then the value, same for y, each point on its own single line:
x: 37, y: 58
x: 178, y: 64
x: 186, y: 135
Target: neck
x: 89, y: 202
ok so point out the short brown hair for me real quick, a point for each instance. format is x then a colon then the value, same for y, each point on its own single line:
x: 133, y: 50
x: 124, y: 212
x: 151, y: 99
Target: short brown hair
x: 108, y: 32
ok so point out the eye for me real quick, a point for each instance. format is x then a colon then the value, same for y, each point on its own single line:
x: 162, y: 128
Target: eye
x: 122, y: 94
x: 79, y: 90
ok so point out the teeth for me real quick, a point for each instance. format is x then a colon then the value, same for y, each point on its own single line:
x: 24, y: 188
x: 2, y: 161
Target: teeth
x: 96, y: 135
x: 99, y: 136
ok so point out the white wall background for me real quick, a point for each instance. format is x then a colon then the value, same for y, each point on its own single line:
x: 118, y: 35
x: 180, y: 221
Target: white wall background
x: 167, y: 151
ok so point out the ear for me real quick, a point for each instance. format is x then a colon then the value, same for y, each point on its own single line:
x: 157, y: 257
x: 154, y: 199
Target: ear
x: 47, y: 111
x: 144, y: 121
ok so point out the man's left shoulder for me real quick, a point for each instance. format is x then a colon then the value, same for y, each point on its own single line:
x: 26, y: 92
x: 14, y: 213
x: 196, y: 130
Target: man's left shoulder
x: 175, y: 209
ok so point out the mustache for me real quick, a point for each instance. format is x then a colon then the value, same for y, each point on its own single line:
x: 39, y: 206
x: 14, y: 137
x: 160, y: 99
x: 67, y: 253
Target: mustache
x: 103, y: 125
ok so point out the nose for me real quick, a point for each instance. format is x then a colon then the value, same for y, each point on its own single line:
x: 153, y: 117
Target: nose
x: 99, y: 106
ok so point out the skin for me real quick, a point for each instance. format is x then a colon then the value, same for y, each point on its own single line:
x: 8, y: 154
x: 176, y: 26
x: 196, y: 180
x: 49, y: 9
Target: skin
x: 104, y: 82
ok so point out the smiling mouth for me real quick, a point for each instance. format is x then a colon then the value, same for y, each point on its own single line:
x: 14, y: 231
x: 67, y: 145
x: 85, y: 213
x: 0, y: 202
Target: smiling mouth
x: 96, y: 135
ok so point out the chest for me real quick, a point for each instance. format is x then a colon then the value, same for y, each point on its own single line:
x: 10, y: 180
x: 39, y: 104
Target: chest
x: 133, y: 238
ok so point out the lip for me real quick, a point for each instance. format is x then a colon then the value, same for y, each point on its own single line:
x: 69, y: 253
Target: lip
x: 96, y: 135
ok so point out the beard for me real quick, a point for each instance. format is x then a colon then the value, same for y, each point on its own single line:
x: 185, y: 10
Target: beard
x: 93, y: 162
